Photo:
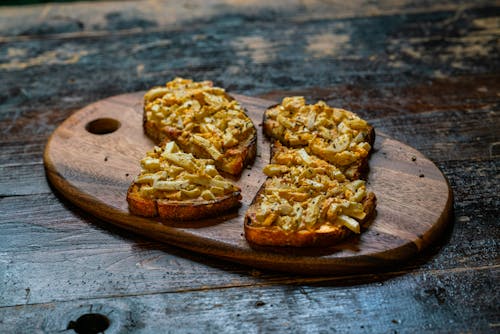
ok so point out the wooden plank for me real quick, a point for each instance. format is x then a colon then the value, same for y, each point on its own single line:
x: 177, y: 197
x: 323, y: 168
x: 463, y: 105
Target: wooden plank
x: 22, y: 150
x: 92, y: 18
x: 429, y: 302
x: 445, y: 136
x: 116, y: 271
x: 91, y: 259
x: 24, y: 179
x: 376, y: 99
x: 379, y: 99
x: 397, y: 51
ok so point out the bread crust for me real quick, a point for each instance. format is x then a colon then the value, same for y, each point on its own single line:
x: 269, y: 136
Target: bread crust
x: 231, y: 159
x: 269, y: 124
x: 234, y: 160
x: 179, y: 210
x: 361, y: 167
x: 324, y: 235
x: 321, y: 237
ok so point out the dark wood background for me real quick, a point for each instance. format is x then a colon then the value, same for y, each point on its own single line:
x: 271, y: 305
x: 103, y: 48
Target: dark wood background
x: 424, y: 72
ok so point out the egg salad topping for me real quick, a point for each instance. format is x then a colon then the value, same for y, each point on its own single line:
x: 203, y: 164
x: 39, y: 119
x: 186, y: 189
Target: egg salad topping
x: 336, y: 135
x: 199, y: 116
x: 304, y: 192
x: 169, y: 173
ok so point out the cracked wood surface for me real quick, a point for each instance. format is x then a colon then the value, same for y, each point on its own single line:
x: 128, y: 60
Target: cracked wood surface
x: 423, y: 72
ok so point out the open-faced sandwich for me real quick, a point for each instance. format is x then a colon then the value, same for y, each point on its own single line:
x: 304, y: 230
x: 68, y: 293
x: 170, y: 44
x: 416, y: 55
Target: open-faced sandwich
x: 306, y: 202
x: 204, y: 120
x: 336, y: 135
x: 176, y: 185
x: 313, y: 195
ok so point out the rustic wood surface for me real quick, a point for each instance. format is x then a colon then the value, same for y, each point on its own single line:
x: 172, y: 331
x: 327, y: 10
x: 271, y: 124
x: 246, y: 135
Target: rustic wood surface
x: 424, y: 72
x: 93, y: 156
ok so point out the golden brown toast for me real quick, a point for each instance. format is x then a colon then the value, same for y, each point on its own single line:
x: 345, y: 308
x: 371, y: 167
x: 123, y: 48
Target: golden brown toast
x: 336, y: 135
x: 314, y: 195
x: 306, y: 202
x: 323, y: 236
x: 176, y: 185
x: 204, y: 120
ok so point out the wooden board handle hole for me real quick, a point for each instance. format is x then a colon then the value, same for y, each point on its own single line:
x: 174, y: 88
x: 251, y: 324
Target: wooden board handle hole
x: 102, y: 126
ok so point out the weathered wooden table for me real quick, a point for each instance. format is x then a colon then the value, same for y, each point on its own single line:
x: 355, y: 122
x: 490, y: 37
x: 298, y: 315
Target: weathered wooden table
x: 426, y: 73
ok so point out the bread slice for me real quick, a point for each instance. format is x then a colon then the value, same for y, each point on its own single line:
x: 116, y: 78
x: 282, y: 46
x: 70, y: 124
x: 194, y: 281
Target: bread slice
x: 314, y: 194
x: 324, y: 235
x: 306, y: 202
x: 176, y: 185
x: 204, y: 120
x: 336, y: 135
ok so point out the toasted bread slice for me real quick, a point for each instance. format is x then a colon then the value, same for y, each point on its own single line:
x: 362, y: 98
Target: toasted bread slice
x: 306, y: 202
x: 203, y: 120
x: 335, y: 135
x: 313, y: 195
x: 176, y: 185
x: 324, y: 235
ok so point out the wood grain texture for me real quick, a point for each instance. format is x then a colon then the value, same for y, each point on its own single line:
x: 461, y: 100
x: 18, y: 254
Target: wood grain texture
x: 94, y: 171
x: 425, y: 72
x: 283, y: 308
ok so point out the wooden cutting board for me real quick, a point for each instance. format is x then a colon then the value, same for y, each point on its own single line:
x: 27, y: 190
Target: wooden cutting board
x: 94, y: 155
